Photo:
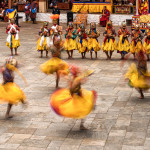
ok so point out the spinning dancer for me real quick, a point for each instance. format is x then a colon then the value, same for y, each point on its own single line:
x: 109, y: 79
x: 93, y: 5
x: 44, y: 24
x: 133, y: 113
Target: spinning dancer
x: 146, y: 44
x: 136, y: 43
x: 70, y: 42
x: 93, y: 44
x: 82, y: 44
x: 44, y: 43
x: 13, y: 41
x: 109, y: 43
x: 138, y: 75
x: 123, y: 44
x: 55, y: 64
x: 74, y: 102
x: 9, y: 91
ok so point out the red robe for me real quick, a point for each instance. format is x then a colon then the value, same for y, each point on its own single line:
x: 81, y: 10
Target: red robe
x: 104, y: 18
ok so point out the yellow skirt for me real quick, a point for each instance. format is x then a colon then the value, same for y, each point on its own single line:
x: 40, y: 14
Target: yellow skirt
x: 136, y: 80
x: 82, y: 47
x: 14, y: 43
x: 135, y: 49
x: 53, y: 65
x: 123, y: 46
x: 70, y: 44
x: 44, y: 45
x: 73, y: 106
x: 93, y: 44
x: 109, y: 46
x: 147, y: 47
x: 11, y: 93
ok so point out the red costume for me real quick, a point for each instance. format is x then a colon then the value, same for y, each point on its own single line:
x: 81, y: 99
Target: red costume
x: 105, y: 17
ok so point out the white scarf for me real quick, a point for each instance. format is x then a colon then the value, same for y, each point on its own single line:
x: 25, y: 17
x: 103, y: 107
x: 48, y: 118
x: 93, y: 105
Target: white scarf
x: 48, y: 41
x: 12, y: 26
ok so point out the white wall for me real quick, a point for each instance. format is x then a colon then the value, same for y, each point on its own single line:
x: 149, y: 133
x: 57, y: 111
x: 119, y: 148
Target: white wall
x: 115, y: 18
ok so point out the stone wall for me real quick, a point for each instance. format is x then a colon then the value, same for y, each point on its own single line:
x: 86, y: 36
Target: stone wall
x: 115, y: 18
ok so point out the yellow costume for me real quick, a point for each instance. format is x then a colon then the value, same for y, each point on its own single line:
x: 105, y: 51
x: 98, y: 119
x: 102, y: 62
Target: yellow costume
x: 14, y: 43
x: 72, y: 106
x: 136, y: 44
x: 109, y: 45
x: 74, y: 103
x: 135, y: 48
x: 70, y: 44
x: 82, y: 47
x: 93, y: 44
x: 123, y: 46
x: 53, y: 65
x: 136, y: 79
x: 11, y: 93
x: 146, y: 44
x: 44, y: 45
x: 13, y: 35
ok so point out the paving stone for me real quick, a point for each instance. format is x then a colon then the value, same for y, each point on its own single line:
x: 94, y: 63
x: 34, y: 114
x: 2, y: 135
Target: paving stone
x: 135, y: 138
x: 119, y: 122
x: 35, y: 143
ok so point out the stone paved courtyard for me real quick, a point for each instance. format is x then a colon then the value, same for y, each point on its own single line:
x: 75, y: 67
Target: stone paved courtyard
x: 120, y: 121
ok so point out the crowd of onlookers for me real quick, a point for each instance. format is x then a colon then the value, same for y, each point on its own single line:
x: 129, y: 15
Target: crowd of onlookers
x: 3, y: 7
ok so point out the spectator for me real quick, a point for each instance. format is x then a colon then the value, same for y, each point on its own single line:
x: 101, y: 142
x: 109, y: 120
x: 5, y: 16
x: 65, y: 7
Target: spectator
x: 33, y: 11
x: 6, y: 4
x: 54, y: 2
x: 2, y: 13
x: 105, y: 17
x: 16, y: 17
x: 27, y: 10
x: 2, y: 5
x: 56, y: 11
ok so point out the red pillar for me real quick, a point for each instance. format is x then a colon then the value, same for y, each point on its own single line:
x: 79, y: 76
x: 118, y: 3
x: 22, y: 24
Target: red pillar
x: 9, y: 4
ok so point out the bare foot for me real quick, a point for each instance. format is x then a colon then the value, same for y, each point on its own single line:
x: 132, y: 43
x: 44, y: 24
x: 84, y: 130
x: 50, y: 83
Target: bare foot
x: 141, y: 97
x: 16, y: 53
x: 8, y: 116
x: 82, y: 127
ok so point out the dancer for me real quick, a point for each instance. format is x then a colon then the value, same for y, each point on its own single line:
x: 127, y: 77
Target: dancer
x: 56, y: 30
x: 109, y: 43
x: 74, y: 102
x: 93, y: 44
x: 9, y: 91
x: 82, y: 44
x: 123, y: 44
x: 55, y: 64
x: 44, y: 43
x: 70, y: 42
x: 138, y: 75
x: 13, y: 41
x: 146, y: 44
x: 136, y: 43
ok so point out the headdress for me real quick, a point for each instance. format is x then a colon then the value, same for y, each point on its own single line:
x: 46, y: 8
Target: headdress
x: 11, y: 64
x: 56, y: 16
x: 108, y: 25
x: 123, y: 24
x: 70, y: 24
x: 93, y: 25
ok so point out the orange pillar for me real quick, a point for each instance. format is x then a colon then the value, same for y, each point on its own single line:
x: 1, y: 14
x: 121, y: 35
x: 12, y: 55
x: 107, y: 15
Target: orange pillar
x: 9, y: 4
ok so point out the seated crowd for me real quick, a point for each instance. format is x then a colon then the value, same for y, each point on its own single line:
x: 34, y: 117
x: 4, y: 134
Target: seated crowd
x: 3, y: 7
